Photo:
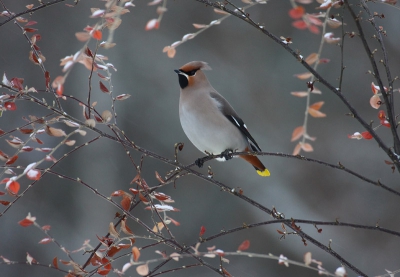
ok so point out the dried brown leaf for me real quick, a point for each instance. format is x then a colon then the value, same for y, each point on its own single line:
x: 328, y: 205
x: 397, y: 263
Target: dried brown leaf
x: 299, y: 93
x: 297, y: 133
x: 306, y: 147
x: 316, y: 113
x: 135, y: 253
x: 143, y: 270
x: 312, y: 58
x: 317, y: 105
x: 303, y: 76
x: 112, y: 231
x: 54, y: 132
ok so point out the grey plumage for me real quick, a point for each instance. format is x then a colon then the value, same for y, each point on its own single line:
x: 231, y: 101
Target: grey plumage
x: 209, y: 121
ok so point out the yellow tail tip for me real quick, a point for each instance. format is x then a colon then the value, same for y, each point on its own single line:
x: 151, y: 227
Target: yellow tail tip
x: 264, y: 173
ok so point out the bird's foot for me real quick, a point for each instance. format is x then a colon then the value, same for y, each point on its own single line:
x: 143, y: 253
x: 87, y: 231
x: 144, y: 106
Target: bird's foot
x: 199, y: 162
x: 227, y: 154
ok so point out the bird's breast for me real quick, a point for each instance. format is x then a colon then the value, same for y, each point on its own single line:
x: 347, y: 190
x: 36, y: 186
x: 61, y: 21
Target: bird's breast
x: 208, y: 129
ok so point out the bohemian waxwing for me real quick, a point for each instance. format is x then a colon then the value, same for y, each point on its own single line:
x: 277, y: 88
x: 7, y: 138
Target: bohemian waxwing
x: 209, y: 121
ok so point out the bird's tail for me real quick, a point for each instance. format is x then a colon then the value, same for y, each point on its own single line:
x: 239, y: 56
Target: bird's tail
x: 256, y: 163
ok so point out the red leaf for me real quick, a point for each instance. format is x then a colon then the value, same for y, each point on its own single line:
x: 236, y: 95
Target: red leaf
x: 381, y: 115
x: 37, y: 140
x: 134, y: 191
x: 5, y: 203
x: 88, y: 52
x: 299, y: 24
x: 313, y: 29
x: 55, y: 262
x: 144, y: 199
x: 161, y: 196
x: 25, y: 222
x: 324, y: 60
x: 17, y: 83
x: 30, y: 30
x: 126, y: 202
x: 366, y: 135
x: 88, y: 28
x: 176, y: 223
x: 46, y: 228
x: 35, y: 38
x: 12, y: 160
x: 296, y: 13
x: 98, y: 119
x: 12, y: 187
x: 375, y: 89
x: 244, y: 245
x: 3, y: 156
x: 202, y: 231
x: 103, y: 272
x: 26, y: 131
x: 95, y: 260
x: 60, y: 90
x: 122, y: 97
x: 385, y: 123
x: 47, y: 77
x: 103, y: 88
x: 30, y: 23
x: 97, y: 34
x: 113, y: 250
x: 106, y: 269
x: 10, y: 106
x: 124, y: 245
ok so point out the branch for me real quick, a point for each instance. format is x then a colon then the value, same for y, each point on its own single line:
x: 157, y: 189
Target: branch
x: 30, y: 11
x: 304, y: 221
x: 389, y: 101
x: 246, y: 18
x: 303, y: 158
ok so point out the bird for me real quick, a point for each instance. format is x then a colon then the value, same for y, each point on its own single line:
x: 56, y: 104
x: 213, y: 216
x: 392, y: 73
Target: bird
x: 210, y: 122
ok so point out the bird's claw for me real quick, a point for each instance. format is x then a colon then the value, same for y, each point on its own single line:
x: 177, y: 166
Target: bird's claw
x: 227, y: 154
x: 199, y: 162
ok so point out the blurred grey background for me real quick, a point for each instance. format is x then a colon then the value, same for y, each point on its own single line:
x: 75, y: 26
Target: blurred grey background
x: 256, y: 76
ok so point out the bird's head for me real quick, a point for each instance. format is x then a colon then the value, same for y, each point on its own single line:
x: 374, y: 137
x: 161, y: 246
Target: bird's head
x: 191, y: 74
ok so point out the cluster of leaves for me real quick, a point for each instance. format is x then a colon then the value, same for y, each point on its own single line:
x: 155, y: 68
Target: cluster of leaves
x: 312, y: 22
x: 120, y: 238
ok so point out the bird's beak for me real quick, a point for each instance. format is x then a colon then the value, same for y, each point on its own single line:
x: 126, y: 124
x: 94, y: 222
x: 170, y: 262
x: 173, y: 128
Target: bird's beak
x: 181, y: 73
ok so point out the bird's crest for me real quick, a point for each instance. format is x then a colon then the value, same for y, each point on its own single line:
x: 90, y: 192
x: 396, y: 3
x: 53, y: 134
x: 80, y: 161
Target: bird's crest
x: 196, y: 65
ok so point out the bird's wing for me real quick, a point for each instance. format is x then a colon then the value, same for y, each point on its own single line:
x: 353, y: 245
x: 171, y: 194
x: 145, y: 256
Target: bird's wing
x: 233, y: 117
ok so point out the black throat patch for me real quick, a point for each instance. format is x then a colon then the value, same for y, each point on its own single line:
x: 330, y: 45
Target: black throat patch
x: 183, y: 81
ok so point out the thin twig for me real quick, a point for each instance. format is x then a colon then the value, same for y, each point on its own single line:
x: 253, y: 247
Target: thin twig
x: 388, y: 100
